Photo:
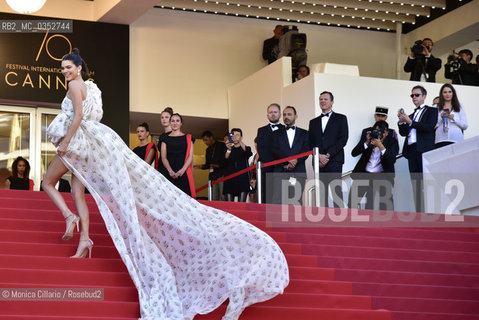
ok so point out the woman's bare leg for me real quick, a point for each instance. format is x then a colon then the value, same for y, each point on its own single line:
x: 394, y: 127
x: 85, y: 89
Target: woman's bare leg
x: 78, y: 195
x: 54, y: 172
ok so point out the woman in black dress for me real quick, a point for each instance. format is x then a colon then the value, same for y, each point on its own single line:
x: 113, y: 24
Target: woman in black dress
x: 237, y: 155
x: 165, y: 123
x: 177, y: 156
x: 19, y: 180
x: 146, y: 150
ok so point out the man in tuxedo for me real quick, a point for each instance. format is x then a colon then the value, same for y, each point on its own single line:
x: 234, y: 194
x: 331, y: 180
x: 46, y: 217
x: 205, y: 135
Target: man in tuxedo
x: 273, y: 113
x: 289, y: 141
x: 423, y: 66
x: 418, y: 128
x: 329, y: 132
x: 375, y: 169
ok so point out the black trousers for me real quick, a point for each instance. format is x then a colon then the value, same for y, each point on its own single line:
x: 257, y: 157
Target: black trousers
x: 415, y: 169
x: 231, y: 197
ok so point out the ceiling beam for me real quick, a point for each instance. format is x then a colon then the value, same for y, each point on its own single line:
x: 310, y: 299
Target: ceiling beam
x: 284, y: 15
x: 310, y: 9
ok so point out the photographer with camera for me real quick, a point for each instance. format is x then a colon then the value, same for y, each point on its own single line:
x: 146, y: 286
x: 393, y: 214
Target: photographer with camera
x: 236, y: 159
x: 379, y: 149
x: 460, y: 69
x: 270, y: 46
x: 421, y: 63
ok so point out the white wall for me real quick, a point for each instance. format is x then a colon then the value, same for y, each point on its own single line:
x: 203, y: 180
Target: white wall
x: 189, y: 60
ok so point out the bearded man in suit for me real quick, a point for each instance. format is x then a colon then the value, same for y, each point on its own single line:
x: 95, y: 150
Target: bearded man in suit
x: 288, y: 141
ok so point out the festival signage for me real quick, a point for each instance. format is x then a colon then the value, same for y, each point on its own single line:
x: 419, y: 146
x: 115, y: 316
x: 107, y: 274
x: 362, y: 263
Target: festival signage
x: 30, y: 62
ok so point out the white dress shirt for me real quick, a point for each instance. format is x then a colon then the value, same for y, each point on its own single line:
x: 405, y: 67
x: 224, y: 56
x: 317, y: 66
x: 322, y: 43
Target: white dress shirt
x: 374, y: 163
x: 290, y: 132
x: 412, y: 137
x: 325, y: 119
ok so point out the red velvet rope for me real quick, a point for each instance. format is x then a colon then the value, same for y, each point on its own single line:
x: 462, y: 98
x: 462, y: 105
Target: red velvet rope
x: 267, y: 164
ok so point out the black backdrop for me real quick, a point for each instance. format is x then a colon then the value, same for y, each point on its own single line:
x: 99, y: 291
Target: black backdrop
x: 30, y: 75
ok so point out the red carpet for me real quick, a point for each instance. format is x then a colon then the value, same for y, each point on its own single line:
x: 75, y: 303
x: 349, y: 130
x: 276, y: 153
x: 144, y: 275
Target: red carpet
x: 336, y: 273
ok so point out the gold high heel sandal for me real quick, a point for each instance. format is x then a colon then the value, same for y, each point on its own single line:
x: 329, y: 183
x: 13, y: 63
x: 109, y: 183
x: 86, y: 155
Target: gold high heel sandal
x: 71, y: 226
x: 83, y: 247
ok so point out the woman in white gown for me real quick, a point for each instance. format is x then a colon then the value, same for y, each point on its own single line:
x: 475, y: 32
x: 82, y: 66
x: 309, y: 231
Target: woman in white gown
x: 184, y: 258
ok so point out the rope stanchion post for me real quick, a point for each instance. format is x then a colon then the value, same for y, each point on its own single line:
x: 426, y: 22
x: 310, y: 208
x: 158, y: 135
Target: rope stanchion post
x: 210, y: 190
x: 259, y: 182
x: 316, y: 175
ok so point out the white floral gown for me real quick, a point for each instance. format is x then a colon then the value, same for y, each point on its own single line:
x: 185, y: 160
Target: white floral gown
x: 185, y: 258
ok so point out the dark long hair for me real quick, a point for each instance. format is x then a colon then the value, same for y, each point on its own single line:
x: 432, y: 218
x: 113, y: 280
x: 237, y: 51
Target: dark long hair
x: 77, y: 60
x: 26, y: 175
x: 456, y: 106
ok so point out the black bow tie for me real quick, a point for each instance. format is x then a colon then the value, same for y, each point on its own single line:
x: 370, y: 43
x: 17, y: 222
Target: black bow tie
x: 325, y: 114
x: 292, y: 128
x: 417, y: 108
x: 274, y: 125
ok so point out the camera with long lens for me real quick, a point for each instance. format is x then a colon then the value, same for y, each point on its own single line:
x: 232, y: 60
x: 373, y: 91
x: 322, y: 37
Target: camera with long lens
x: 454, y: 62
x: 417, y: 49
x: 376, y: 134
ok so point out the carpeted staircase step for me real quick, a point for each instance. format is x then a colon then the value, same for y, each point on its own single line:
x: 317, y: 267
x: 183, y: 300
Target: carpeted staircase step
x: 331, y: 301
x: 64, y: 263
x: 417, y: 291
x: 470, y: 307
x: 108, y: 252
x: 400, y: 233
x: 8, y: 235
x: 61, y: 264
x: 319, y: 287
x: 41, y: 204
x: 343, y: 262
x: 269, y: 313
x: 385, y: 242
x: 389, y: 253
x: 420, y: 278
x: 398, y: 315
x: 67, y: 277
